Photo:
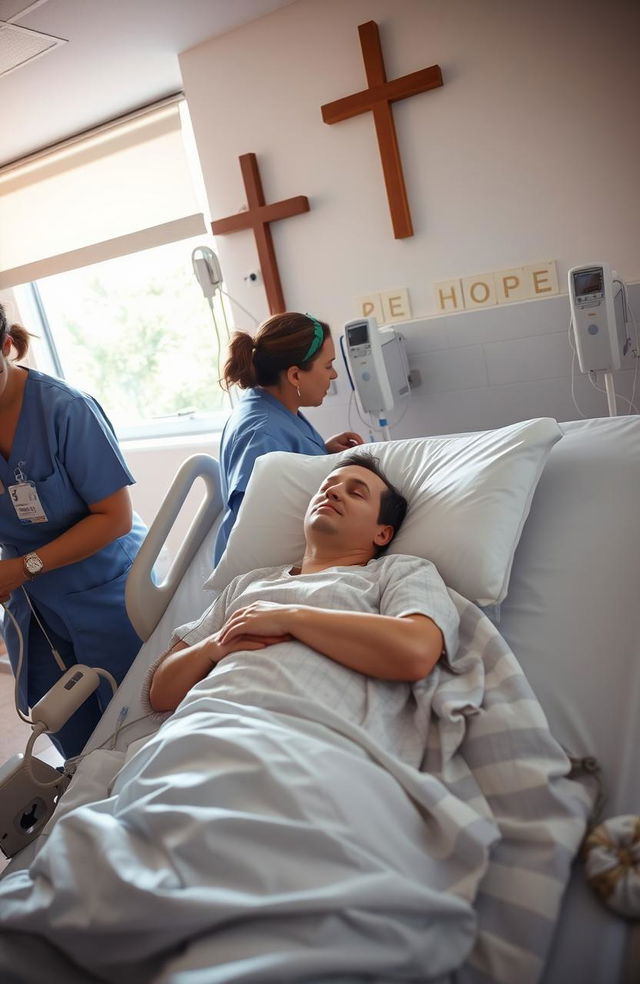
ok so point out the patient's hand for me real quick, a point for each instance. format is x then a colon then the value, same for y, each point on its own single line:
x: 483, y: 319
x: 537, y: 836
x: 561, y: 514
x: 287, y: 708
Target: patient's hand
x: 263, y: 620
x: 248, y: 642
x: 342, y: 442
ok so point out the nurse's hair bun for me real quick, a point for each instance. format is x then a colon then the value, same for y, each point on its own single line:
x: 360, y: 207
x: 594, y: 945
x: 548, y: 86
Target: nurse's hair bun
x: 281, y: 341
x: 239, y: 366
x: 19, y: 335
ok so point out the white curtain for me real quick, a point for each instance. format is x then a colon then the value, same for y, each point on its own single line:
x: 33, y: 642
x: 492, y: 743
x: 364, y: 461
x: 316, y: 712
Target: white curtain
x: 121, y: 188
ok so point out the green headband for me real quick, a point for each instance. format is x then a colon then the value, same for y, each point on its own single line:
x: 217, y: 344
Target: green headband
x: 318, y: 338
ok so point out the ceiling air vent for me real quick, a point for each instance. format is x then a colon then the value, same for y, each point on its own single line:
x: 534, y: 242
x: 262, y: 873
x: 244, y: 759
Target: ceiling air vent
x: 19, y: 46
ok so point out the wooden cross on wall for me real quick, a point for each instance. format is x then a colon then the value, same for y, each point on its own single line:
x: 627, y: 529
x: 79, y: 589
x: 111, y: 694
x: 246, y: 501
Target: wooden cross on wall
x: 257, y: 217
x: 377, y: 99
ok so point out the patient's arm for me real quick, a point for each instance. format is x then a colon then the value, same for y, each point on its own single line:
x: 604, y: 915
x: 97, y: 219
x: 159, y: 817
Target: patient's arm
x: 384, y: 646
x: 185, y: 666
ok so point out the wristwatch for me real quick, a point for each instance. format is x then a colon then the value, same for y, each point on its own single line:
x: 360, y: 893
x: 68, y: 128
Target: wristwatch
x: 32, y: 565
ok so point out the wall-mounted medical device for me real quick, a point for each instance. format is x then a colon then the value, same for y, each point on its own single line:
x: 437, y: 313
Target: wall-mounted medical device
x: 207, y: 270
x: 597, y: 316
x: 377, y: 364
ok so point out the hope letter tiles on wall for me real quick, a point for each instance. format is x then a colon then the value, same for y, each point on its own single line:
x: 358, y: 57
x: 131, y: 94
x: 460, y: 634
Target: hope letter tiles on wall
x: 500, y: 287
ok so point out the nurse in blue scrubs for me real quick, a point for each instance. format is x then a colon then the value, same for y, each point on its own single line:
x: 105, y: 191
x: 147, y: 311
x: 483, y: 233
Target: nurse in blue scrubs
x: 67, y: 533
x: 287, y: 365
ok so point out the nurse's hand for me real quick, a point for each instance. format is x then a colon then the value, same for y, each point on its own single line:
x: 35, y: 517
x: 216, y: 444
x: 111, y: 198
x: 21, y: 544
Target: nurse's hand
x: 342, y: 442
x: 12, y: 575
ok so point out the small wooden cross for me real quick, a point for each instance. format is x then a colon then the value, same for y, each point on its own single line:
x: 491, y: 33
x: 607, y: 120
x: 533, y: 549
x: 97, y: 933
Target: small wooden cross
x: 257, y: 217
x: 378, y: 98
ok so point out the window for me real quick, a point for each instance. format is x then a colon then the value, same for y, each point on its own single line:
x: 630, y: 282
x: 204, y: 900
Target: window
x: 137, y: 334
x: 107, y: 282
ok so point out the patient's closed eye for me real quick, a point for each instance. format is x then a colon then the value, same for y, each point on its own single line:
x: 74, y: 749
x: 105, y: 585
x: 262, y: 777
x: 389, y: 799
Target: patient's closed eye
x: 359, y: 488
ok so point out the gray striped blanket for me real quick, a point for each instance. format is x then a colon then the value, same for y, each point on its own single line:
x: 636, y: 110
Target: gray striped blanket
x: 259, y: 838
x: 508, y: 766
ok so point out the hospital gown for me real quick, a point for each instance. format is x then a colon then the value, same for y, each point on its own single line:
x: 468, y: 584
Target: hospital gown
x: 390, y: 585
x: 65, y: 445
x: 260, y: 423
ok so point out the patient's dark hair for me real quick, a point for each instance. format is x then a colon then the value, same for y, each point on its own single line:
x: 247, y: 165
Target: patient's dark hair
x: 393, y: 505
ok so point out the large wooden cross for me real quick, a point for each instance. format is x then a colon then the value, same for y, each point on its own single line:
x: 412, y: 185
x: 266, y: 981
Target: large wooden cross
x: 377, y: 99
x: 257, y: 217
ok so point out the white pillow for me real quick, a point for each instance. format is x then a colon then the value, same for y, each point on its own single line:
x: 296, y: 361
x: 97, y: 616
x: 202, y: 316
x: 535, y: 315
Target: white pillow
x: 469, y: 496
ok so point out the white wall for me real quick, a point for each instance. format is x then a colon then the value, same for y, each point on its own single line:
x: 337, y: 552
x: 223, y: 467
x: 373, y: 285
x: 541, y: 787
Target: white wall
x: 154, y: 469
x: 528, y: 152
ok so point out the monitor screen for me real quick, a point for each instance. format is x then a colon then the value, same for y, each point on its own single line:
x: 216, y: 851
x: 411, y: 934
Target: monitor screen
x: 358, y: 334
x: 588, y: 282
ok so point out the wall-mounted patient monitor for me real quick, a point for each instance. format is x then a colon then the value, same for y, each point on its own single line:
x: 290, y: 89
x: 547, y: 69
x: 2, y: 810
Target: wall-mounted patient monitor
x: 377, y: 364
x: 597, y: 317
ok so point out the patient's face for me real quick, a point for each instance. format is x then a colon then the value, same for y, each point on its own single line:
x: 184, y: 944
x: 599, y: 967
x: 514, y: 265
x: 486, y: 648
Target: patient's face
x: 347, y: 505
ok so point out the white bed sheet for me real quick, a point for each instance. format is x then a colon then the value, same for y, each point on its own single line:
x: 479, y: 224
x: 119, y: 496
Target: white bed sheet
x: 572, y: 619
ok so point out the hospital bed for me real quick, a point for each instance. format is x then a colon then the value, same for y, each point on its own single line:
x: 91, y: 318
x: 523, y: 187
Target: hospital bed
x: 564, y: 597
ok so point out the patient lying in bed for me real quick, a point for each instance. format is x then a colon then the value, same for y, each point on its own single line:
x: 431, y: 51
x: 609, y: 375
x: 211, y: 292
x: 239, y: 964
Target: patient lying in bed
x: 387, y: 618
x: 328, y: 796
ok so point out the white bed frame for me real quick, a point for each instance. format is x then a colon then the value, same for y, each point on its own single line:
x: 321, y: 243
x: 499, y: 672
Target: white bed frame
x: 147, y: 601
x: 571, y: 617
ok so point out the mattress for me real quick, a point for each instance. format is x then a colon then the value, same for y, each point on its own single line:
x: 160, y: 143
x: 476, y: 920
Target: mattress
x: 572, y: 619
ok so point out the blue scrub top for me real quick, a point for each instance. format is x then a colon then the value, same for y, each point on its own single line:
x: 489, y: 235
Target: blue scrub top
x: 259, y: 423
x: 66, y: 446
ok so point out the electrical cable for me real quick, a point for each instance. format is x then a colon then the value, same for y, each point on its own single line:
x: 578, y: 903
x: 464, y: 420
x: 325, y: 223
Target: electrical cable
x: 215, y: 328
x: 206, y: 269
x: 27, y: 761
x: 73, y: 762
x: 238, y: 304
x: 367, y: 423
x: 18, y: 671
x: 398, y: 420
x: 39, y: 727
x: 592, y: 374
x: 227, y: 332
x: 54, y: 651
x: 635, y: 351
x: 219, y: 344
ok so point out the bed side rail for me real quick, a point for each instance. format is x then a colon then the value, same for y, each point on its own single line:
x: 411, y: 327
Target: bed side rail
x: 146, y: 601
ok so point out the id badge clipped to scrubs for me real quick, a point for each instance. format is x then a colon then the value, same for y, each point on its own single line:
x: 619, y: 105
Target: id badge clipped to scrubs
x: 26, y: 502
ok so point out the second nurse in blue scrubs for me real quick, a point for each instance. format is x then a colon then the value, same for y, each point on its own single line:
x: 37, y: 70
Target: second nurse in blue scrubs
x: 67, y: 533
x: 287, y: 365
